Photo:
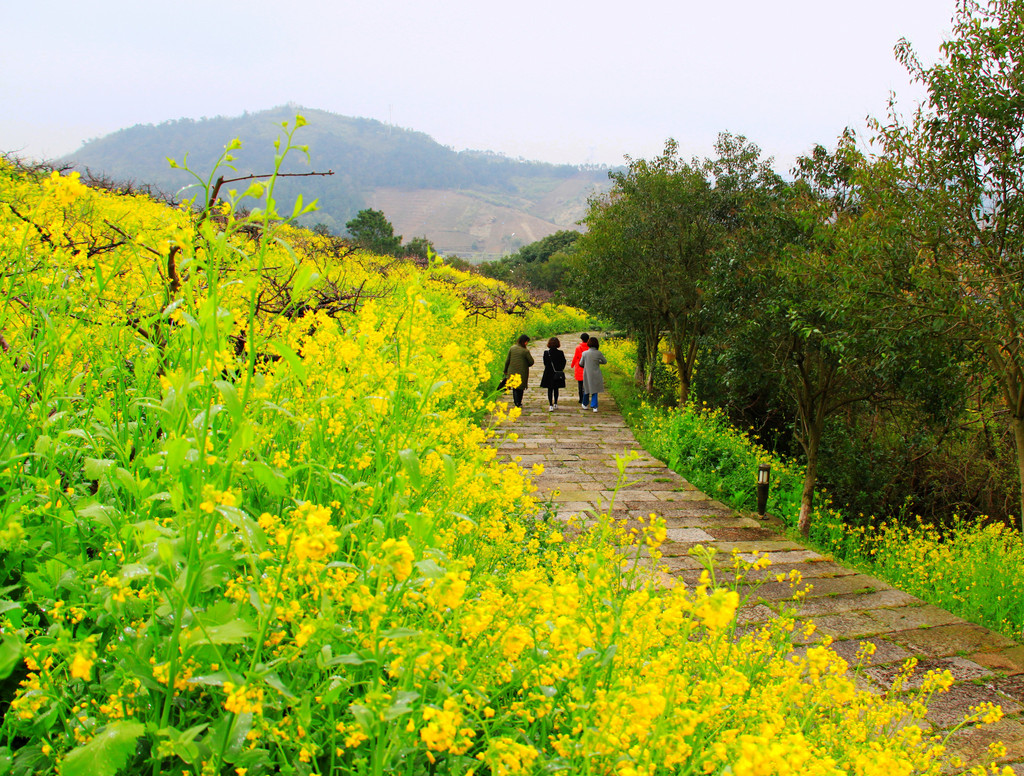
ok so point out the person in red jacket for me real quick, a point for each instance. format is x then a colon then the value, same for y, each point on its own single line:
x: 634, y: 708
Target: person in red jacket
x: 578, y: 369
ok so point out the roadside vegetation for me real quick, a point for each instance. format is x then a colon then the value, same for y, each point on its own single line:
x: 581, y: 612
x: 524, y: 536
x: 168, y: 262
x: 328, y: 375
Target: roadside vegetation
x: 973, y: 568
x: 252, y: 520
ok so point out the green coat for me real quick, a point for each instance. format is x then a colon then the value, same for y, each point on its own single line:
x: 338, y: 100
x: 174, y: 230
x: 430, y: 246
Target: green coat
x: 518, y: 362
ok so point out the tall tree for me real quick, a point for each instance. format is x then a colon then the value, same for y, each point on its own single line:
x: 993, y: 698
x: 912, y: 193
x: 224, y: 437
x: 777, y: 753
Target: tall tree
x: 753, y: 204
x: 956, y: 170
x: 645, y: 257
x: 371, y: 230
x: 825, y: 323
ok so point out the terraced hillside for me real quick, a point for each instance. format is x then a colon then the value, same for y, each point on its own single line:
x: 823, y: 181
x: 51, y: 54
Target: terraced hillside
x: 479, y: 226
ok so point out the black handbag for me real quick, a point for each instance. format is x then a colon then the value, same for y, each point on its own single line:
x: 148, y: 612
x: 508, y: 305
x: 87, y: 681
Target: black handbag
x: 501, y: 385
x: 556, y: 372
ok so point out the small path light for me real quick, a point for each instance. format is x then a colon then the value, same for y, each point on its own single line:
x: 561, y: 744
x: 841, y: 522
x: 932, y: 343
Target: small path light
x: 764, y: 472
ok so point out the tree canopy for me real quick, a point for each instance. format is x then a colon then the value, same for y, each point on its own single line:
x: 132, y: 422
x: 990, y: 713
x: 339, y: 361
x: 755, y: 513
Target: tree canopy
x: 370, y: 229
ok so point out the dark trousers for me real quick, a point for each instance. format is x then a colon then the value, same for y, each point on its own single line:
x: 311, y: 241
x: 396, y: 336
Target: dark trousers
x: 517, y: 396
x: 552, y: 396
x: 584, y: 397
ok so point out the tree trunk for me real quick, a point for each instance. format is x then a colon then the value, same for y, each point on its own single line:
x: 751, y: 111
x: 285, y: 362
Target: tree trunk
x: 810, y: 478
x: 640, y: 375
x: 1018, y: 436
x: 1012, y: 386
x: 686, y: 357
x: 684, y: 372
x: 647, y: 341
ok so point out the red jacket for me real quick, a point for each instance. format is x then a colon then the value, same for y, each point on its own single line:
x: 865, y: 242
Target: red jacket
x: 577, y: 369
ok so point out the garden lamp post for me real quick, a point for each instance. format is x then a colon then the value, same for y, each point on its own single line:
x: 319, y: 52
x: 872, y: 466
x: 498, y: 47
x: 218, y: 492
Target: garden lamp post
x: 764, y: 471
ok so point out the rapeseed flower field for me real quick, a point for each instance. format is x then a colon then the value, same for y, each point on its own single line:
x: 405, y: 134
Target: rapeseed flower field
x: 251, y: 522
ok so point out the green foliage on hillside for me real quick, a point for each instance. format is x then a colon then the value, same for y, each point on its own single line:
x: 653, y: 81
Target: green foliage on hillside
x: 541, y: 265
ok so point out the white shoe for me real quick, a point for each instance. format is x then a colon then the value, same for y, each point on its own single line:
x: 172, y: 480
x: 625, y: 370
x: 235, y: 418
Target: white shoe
x: 555, y: 405
x: 551, y: 408
x: 595, y: 409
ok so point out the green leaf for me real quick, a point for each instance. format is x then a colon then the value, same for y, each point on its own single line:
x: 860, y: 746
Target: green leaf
x: 43, y: 444
x: 213, y: 680
x: 275, y: 482
x: 292, y: 358
x: 350, y: 659
x: 400, y: 633
x: 363, y: 716
x: 449, y: 469
x: 95, y: 468
x: 234, y: 632
x: 127, y: 480
x: 241, y: 440
x: 403, y: 705
x: 231, y: 400
x: 275, y: 681
x: 411, y: 463
x: 304, y: 278
x: 183, y: 744
x: 429, y: 568
x: 11, y: 649
x: 107, y: 753
x: 177, y: 450
x: 249, y: 529
x: 101, y: 513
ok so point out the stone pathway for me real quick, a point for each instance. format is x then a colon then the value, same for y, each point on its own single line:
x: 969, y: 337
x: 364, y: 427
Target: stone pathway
x: 578, y: 449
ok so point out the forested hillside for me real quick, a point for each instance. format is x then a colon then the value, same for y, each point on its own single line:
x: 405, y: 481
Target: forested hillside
x: 472, y: 203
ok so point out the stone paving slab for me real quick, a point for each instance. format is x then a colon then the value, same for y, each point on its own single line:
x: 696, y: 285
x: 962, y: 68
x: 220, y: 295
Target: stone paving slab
x: 578, y: 452
x: 886, y: 652
x: 688, y: 535
x: 963, y: 670
x: 883, y: 599
x: 972, y: 743
x: 815, y: 571
x: 947, y: 709
x: 951, y: 639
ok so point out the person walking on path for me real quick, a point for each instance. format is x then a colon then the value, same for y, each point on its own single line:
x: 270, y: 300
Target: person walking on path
x: 578, y: 368
x: 518, y: 362
x: 554, y: 372
x: 593, y: 377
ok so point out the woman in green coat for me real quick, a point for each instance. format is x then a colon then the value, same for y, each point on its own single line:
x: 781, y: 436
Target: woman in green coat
x: 518, y: 362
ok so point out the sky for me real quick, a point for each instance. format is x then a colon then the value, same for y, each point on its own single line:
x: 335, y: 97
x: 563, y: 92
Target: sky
x: 552, y: 80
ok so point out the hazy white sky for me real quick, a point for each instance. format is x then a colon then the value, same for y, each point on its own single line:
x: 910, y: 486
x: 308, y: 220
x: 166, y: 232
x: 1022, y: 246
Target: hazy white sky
x: 556, y: 80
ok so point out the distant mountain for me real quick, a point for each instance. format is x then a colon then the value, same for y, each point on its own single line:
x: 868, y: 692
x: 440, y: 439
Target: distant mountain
x: 479, y: 205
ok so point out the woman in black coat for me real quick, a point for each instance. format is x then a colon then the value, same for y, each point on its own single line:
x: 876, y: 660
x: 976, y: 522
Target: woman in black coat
x: 554, y: 374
